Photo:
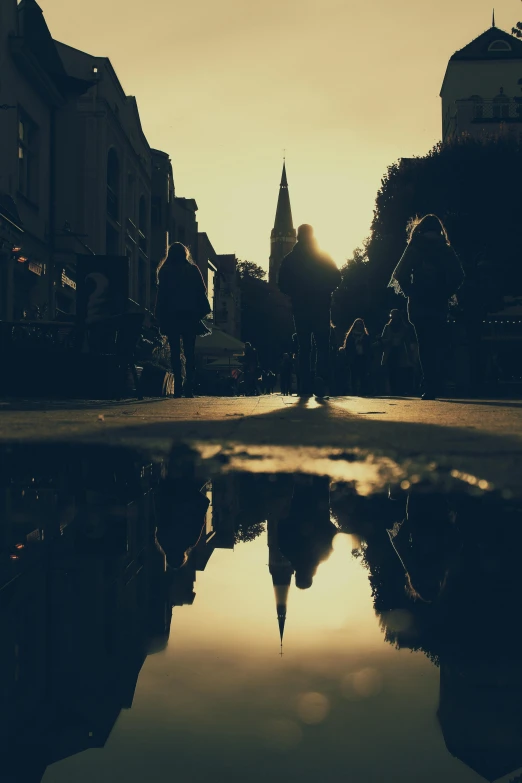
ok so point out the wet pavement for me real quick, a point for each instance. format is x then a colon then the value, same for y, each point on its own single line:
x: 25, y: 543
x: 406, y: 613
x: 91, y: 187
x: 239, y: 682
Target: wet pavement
x: 375, y: 440
x: 169, y: 616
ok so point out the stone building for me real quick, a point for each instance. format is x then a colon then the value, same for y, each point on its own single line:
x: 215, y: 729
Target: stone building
x: 283, y: 236
x: 75, y: 169
x: 35, y: 93
x: 482, y: 88
x: 227, y: 296
x: 104, y: 172
x: 208, y: 266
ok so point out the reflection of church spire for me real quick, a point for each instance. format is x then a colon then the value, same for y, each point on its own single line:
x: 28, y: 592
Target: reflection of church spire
x: 281, y: 571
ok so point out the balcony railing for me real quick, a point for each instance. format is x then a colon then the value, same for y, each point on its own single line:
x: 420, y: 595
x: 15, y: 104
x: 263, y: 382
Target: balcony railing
x: 142, y: 240
x: 497, y: 111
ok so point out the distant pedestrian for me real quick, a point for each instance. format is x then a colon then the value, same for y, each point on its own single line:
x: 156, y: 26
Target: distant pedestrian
x: 357, y: 355
x: 251, y: 370
x: 309, y: 277
x: 286, y: 375
x: 429, y: 274
x: 181, y: 305
x: 399, y: 353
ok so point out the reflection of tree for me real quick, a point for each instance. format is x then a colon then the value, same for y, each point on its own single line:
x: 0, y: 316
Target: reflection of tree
x: 451, y: 587
x: 249, y: 532
x: 242, y: 502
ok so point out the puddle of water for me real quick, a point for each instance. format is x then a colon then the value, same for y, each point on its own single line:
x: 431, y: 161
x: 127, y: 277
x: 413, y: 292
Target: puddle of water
x: 158, y: 622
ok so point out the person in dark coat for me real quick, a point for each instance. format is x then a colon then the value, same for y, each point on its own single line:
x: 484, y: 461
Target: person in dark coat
x: 309, y: 277
x: 357, y: 354
x: 250, y: 361
x: 181, y: 304
x: 429, y: 274
x: 399, y: 354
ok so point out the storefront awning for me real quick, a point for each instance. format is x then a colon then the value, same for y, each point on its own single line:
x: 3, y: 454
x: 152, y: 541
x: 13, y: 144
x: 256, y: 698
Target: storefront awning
x: 9, y: 212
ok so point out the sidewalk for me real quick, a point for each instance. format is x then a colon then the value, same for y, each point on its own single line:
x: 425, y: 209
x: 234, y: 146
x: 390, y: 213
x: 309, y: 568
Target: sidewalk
x: 381, y: 438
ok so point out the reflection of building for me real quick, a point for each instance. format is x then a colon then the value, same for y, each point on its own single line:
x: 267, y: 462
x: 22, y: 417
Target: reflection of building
x: 482, y: 88
x: 79, y: 603
x: 218, y: 533
x: 283, y: 236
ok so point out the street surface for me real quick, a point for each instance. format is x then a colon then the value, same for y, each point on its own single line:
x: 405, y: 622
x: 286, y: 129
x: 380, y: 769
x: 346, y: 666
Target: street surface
x: 369, y: 440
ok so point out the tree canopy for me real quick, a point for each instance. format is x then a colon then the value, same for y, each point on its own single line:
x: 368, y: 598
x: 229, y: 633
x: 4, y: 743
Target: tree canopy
x: 473, y: 185
x: 266, y: 316
x: 249, y: 269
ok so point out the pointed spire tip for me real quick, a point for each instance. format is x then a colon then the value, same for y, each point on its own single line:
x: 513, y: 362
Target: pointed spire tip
x: 493, y: 19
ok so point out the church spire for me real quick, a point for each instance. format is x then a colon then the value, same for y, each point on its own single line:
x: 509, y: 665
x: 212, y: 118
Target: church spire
x: 283, y: 220
x: 493, y: 20
x: 283, y: 236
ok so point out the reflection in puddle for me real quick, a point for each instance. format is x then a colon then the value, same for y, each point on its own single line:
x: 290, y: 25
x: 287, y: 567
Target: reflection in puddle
x: 131, y: 584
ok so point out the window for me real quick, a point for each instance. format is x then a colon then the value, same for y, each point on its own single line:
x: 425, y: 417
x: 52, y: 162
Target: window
x: 27, y: 157
x: 142, y: 224
x: 155, y: 211
x: 499, y: 46
x: 113, y: 185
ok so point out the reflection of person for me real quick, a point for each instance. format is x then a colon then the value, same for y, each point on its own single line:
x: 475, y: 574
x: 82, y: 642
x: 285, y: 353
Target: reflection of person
x: 309, y: 277
x: 182, y: 303
x: 425, y: 542
x: 182, y: 512
x: 305, y: 536
x: 357, y: 353
x: 398, y: 354
x: 429, y: 274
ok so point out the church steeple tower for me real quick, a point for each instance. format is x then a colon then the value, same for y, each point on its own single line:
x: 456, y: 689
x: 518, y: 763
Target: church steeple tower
x: 283, y: 237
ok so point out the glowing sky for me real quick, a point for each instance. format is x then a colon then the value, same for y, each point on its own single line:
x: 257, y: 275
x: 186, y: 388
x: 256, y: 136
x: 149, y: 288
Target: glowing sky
x: 224, y: 86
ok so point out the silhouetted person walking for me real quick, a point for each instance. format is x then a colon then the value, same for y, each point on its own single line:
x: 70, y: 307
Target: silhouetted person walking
x: 286, y: 375
x: 309, y: 277
x: 250, y: 361
x: 181, y: 304
x: 357, y: 354
x: 429, y: 274
x: 399, y: 354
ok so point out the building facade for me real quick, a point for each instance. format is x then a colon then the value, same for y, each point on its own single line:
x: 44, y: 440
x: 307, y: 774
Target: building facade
x: 482, y: 89
x: 227, y: 296
x: 35, y: 93
x: 104, y: 173
x: 283, y: 236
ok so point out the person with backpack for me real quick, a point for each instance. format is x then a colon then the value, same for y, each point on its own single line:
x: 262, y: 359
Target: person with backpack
x: 429, y: 274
